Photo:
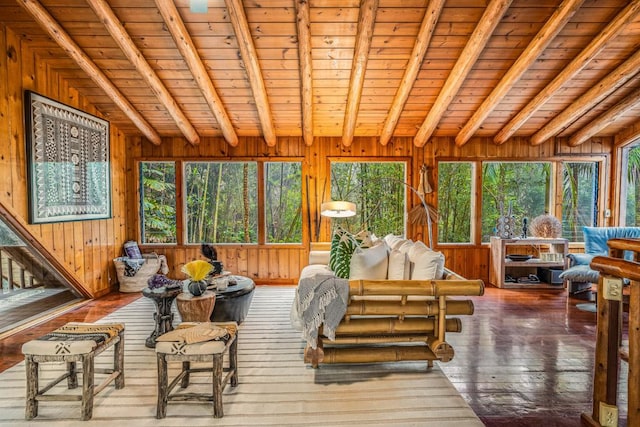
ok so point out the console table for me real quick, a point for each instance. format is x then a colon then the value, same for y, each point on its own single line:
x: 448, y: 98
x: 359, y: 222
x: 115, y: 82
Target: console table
x: 501, y: 267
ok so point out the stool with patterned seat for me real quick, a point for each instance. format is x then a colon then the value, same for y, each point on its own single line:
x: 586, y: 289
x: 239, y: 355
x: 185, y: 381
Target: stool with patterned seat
x: 71, y: 343
x: 197, y: 342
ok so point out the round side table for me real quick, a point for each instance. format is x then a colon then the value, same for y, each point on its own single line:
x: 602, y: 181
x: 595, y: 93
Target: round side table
x: 196, y: 309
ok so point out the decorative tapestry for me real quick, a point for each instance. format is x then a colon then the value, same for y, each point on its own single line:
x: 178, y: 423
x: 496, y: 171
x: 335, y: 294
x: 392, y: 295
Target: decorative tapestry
x: 68, y: 154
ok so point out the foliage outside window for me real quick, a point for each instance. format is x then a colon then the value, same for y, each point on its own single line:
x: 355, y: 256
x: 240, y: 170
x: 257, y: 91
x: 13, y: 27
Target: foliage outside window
x: 283, y: 202
x: 221, y: 202
x: 158, y: 200
x: 455, y: 186
x: 525, y: 186
x: 379, y: 192
x: 579, y: 198
x: 631, y: 189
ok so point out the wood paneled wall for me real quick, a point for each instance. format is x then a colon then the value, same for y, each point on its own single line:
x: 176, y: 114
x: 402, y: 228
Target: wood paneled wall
x: 275, y: 264
x: 85, y: 249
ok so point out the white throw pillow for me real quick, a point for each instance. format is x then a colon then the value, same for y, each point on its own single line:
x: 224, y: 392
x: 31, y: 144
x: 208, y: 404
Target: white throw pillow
x: 417, y: 249
x: 391, y: 240
x: 399, y: 268
x: 405, y: 247
x: 428, y: 265
x: 369, y: 263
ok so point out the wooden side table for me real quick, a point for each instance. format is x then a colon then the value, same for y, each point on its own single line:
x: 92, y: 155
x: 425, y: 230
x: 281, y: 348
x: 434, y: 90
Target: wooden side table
x: 196, y: 309
x: 163, y: 316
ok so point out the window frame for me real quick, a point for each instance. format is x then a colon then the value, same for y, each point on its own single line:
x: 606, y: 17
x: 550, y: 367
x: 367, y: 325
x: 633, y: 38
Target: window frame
x: 408, y: 193
x: 181, y: 205
x: 604, y: 166
x: 473, y: 203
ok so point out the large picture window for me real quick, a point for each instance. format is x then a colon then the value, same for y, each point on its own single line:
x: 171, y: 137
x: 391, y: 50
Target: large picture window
x: 379, y: 192
x: 579, y: 198
x: 158, y: 202
x: 523, y: 186
x: 283, y: 202
x: 631, y: 187
x: 221, y: 202
x: 455, y: 187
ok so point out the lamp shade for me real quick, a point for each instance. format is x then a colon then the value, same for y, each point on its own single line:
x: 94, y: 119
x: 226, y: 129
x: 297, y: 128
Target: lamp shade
x: 338, y: 209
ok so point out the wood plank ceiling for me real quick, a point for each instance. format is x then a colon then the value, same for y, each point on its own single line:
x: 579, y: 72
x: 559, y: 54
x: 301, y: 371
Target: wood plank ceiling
x: 345, y: 68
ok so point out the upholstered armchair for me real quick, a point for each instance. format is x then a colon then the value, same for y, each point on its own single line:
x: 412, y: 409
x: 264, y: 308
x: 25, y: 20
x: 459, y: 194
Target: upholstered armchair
x: 580, y: 274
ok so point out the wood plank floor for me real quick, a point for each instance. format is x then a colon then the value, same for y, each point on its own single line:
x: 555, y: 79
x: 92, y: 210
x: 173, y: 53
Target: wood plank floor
x: 525, y: 358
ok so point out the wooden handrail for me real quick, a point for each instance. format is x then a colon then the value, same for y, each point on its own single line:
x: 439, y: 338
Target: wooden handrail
x: 613, y: 270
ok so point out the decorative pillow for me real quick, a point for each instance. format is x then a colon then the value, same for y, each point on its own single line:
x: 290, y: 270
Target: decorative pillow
x: 131, y: 266
x: 580, y: 273
x: 579, y: 259
x: 405, y: 247
x: 399, y: 266
x: 427, y: 265
x: 416, y: 249
x: 342, y: 246
x: 131, y: 250
x: 369, y: 263
x: 392, y: 240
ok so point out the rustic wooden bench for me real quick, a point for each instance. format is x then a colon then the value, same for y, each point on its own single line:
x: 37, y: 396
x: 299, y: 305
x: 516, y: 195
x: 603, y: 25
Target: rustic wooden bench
x: 71, y: 343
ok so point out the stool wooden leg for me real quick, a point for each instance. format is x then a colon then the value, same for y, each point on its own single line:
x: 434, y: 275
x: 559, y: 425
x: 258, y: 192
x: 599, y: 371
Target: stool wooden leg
x: 31, y: 367
x: 161, y: 410
x: 186, y: 366
x: 72, y: 379
x: 87, y: 387
x: 217, y: 385
x: 118, y: 361
x: 233, y: 361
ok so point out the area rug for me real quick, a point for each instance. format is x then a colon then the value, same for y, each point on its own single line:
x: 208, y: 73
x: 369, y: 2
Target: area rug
x: 275, y: 386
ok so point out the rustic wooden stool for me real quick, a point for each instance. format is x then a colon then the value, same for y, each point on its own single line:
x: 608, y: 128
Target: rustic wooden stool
x: 185, y: 346
x: 71, y: 343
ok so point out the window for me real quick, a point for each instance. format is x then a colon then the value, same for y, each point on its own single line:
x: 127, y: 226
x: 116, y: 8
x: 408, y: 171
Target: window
x: 221, y: 202
x: 455, y: 186
x: 283, y: 202
x: 631, y: 190
x: 522, y: 187
x: 378, y: 190
x: 158, y: 200
x: 579, y: 198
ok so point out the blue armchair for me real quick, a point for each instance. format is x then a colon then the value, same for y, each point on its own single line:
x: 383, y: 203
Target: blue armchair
x: 579, y: 274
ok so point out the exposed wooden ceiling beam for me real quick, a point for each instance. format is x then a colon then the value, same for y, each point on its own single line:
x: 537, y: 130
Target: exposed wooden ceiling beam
x: 420, y: 47
x: 131, y: 51
x: 366, y: 22
x: 64, y: 40
x: 628, y: 135
x: 306, y: 67
x: 479, y: 38
x: 568, y: 72
x: 250, y: 59
x: 589, y: 99
x: 605, y: 119
x: 547, y: 33
x: 189, y: 52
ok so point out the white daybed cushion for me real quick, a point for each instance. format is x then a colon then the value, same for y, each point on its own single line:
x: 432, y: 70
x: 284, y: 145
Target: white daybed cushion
x: 369, y: 263
x: 426, y: 263
x: 399, y: 266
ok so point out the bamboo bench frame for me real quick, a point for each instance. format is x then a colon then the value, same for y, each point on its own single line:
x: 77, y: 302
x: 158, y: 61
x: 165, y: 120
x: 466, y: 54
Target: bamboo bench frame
x: 391, y: 320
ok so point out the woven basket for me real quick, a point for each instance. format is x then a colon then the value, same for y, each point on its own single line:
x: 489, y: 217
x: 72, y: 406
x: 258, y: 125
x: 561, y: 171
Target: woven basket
x: 138, y: 282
